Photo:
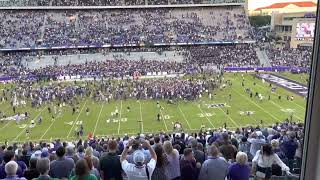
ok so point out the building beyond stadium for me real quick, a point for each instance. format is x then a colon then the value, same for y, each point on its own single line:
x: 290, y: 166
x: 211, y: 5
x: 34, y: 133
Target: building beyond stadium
x: 294, y: 29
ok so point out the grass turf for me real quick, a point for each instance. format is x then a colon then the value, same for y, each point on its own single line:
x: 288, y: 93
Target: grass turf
x: 143, y: 114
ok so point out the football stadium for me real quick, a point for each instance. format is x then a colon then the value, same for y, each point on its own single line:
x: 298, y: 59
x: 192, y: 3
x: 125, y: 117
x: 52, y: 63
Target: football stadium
x: 147, y: 89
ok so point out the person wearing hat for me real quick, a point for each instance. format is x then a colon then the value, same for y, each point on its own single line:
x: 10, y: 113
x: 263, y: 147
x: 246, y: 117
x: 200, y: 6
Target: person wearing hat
x: 138, y: 170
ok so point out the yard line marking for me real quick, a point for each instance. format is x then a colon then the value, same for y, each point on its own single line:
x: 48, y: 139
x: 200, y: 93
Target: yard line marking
x: 204, y: 113
x: 28, y: 125
x: 141, y: 117
x: 5, y: 125
x: 50, y: 125
x: 120, y: 117
x: 184, y: 117
x: 74, y: 123
x: 95, y: 127
x: 163, y: 120
x: 256, y: 105
x: 301, y: 107
x: 237, y: 125
x: 283, y: 108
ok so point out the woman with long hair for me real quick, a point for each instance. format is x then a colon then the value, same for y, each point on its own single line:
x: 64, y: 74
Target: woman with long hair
x: 160, y: 172
x: 93, y: 170
x: 263, y: 160
x: 173, y: 167
x: 82, y: 171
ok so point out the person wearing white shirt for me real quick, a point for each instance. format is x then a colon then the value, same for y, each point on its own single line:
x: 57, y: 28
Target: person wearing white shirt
x: 263, y: 161
x: 138, y: 170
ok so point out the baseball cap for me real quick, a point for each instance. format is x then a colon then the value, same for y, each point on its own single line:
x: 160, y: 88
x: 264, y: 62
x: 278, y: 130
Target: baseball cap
x: 138, y: 157
x: 44, y: 154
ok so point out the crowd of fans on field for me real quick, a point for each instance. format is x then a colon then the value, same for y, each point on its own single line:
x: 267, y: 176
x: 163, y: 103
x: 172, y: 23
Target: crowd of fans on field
x: 248, y: 151
x: 64, y: 28
x: 170, y: 89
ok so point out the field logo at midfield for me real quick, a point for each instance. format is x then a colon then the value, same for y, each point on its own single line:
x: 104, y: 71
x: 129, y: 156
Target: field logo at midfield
x: 219, y: 105
x: 288, y: 84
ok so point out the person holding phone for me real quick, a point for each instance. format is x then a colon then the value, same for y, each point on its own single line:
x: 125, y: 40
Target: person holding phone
x: 138, y: 170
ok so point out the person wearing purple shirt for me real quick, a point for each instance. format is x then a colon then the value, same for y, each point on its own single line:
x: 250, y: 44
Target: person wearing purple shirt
x: 7, y: 157
x: 239, y: 170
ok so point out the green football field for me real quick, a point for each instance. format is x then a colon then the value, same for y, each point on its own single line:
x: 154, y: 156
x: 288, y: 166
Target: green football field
x: 142, y: 116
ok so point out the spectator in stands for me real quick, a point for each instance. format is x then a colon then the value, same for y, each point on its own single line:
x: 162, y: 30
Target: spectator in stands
x: 2, y: 148
x: 227, y: 149
x: 240, y: 169
x: 214, y: 166
x: 71, y: 154
x: 263, y: 160
x: 92, y: 169
x: 32, y: 171
x: 156, y: 141
x: 179, y: 141
x: 198, y: 155
x: 7, y: 157
x: 138, y: 170
x: 160, y: 172
x: 257, y: 140
x: 244, y: 146
x: 289, y: 147
x: 43, y: 167
x: 11, y: 169
x: 173, y: 167
x: 25, y: 157
x: 95, y: 160
x: 62, y: 167
x: 81, y: 154
x: 110, y: 166
x: 188, y: 166
x: 82, y: 171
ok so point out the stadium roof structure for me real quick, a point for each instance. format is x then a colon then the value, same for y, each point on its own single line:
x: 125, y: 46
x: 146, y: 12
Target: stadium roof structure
x: 285, y: 4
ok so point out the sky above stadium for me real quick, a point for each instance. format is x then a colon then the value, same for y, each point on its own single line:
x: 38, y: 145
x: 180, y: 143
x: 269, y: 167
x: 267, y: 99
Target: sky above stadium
x: 254, y: 4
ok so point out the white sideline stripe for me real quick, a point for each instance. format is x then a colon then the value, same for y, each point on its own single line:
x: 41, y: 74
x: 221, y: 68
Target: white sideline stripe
x: 27, y: 125
x: 184, y: 117
x: 50, y: 125
x: 256, y: 105
x: 74, y: 123
x: 163, y: 120
x: 204, y: 113
x: 141, y: 116
x: 237, y: 125
x: 120, y: 117
x: 301, y: 107
x: 95, y: 127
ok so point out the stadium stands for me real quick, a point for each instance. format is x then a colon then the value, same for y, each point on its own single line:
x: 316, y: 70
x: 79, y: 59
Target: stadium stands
x: 289, y: 57
x: 23, y: 3
x: 150, y: 41
x: 67, y: 28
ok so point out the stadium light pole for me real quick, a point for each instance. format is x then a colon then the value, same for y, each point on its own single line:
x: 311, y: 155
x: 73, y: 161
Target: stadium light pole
x: 310, y: 169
